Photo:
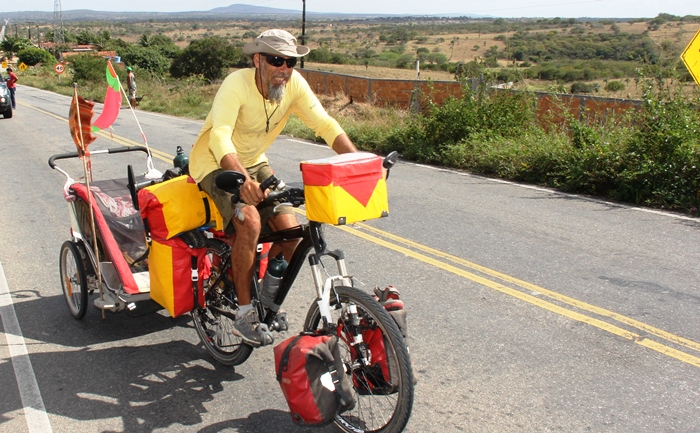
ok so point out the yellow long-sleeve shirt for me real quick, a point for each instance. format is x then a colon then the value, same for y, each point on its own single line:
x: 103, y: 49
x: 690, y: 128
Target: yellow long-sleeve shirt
x: 238, y: 118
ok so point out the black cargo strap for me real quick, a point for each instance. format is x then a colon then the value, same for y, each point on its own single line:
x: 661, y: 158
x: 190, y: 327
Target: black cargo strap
x: 195, y: 282
x: 205, y: 200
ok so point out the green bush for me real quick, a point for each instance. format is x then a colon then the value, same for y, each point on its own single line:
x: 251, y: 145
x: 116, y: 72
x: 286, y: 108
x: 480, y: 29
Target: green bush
x: 209, y: 57
x: 498, y: 113
x: 88, y: 68
x: 615, y: 86
x: 583, y: 88
x: 32, y: 56
x: 146, y: 58
x: 663, y: 156
x: 649, y: 157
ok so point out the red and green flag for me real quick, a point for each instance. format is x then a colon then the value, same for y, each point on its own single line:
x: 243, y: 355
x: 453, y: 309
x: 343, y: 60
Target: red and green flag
x: 113, y: 101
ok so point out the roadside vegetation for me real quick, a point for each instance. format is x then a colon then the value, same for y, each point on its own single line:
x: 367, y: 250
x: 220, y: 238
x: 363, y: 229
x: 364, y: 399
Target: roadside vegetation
x: 648, y: 157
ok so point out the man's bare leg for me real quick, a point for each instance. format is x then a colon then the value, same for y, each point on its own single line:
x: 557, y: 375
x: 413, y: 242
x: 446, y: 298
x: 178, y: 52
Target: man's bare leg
x: 282, y: 222
x: 243, y: 252
x: 247, y: 325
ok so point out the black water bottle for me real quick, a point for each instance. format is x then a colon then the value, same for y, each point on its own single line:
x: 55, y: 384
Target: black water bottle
x: 181, y: 160
x: 271, y: 282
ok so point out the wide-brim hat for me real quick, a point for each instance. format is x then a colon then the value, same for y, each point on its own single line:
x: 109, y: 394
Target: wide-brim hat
x: 276, y: 42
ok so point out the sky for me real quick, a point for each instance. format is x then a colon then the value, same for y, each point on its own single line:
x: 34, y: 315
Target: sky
x: 497, y: 8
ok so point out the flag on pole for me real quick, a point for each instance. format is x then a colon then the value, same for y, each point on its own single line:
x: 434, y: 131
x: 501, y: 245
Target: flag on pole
x: 79, y: 121
x: 113, y: 101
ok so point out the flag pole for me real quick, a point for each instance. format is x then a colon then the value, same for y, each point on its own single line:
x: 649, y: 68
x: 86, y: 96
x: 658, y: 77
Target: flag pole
x: 88, y: 176
x: 151, y: 172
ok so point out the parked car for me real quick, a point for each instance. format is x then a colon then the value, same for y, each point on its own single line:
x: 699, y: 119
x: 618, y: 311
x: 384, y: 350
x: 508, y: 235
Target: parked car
x: 5, y: 102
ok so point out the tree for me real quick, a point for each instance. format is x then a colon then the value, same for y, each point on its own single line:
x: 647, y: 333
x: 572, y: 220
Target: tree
x: 146, y: 58
x: 437, y: 58
x: 32, y: 56
x: 85, y: 37
x: 209, y: 57
x: 14, y: 44
x: 405, y: 61
x: 88, y: 68
x: 320, y: 55
x: 162, y: 43
x: 468, y: 70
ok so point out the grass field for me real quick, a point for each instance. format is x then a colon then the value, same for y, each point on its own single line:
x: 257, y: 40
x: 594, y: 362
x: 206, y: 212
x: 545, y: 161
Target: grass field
x: 349, y: 36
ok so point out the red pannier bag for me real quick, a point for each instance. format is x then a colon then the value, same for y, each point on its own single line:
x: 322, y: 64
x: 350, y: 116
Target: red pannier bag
x: 312, y: 376
x: 381, y: 376
x: 174, y: 269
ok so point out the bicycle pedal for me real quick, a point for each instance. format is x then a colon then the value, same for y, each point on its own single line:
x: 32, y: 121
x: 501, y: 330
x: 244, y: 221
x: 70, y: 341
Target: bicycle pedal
x: 280, y: 323
x: 266, y: 337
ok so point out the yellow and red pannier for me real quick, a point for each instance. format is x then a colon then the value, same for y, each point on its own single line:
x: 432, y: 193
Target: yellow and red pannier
x: 171, y: 266
x: 345, y: 188
x: 176, y: 206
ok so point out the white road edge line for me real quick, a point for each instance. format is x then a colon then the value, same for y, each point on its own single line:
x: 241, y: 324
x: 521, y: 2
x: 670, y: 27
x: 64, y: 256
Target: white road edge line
x: 34, y: 409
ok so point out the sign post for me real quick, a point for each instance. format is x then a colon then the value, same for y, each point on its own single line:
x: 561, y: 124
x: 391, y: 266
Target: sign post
x: 691, y: 57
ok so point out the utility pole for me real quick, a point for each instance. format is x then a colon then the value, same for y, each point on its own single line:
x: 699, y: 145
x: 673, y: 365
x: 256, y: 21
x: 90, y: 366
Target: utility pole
x: 58, y: 34
x: 303, y: 28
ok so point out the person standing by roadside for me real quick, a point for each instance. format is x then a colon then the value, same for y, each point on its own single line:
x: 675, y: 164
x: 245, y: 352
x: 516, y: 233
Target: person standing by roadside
x: 131, y: 85
x: 11, y: 80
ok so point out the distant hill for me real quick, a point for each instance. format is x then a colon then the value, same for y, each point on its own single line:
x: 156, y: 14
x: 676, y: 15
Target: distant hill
x: 232, y: 11
x: 241, y: 9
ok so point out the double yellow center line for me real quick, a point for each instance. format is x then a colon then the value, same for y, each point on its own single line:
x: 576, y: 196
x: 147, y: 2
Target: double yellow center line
x: 640, y: 333
x: 635, y: 331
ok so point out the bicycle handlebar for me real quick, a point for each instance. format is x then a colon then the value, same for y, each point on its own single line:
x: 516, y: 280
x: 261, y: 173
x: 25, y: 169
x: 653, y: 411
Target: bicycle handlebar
x: 231, y: 182
x: 53, y: 158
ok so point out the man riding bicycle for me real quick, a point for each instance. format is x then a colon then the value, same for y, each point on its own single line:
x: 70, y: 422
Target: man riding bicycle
x: 249, y: 111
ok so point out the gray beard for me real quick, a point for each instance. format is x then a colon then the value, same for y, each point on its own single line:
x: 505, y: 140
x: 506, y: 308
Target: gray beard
x: 275, y: 93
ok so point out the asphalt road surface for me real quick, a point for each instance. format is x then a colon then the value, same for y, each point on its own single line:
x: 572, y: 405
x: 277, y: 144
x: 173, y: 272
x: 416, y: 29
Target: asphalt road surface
x: 529, y: 310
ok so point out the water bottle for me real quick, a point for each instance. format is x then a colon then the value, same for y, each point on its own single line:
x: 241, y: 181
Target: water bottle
x: 271, y: 282
x: 180, y: 160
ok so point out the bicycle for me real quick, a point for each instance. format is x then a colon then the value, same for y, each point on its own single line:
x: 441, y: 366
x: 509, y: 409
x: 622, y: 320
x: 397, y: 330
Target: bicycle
x: 340, y: 309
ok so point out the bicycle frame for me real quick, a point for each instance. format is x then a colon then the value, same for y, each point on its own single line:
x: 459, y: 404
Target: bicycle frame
x: 311, y: 239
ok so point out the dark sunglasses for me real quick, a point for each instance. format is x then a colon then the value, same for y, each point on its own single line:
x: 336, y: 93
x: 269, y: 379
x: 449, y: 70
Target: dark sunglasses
x: 278, y: 61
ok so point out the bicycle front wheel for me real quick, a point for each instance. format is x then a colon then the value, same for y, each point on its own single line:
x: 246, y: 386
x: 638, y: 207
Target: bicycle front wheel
x: 376, y: 410
x: 214, y: 322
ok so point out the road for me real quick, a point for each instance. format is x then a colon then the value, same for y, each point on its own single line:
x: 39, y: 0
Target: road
x: 529, y: 310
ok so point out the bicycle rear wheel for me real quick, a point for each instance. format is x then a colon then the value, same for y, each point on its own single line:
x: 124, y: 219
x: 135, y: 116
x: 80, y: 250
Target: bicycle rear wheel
x: 73, y: 278
x: 214, y: 322
x: 373, y: 411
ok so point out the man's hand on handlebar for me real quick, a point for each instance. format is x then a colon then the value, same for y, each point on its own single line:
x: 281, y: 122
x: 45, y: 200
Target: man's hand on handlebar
x: 251, y: 193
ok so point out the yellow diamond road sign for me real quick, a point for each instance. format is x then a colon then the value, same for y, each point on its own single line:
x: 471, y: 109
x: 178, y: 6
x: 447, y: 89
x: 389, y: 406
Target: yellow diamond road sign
x: 691, y: 57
